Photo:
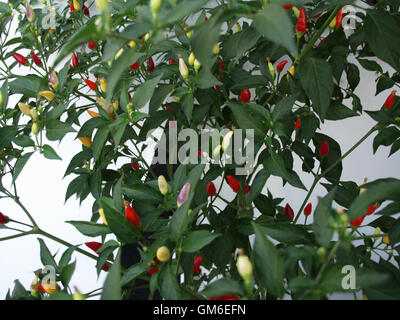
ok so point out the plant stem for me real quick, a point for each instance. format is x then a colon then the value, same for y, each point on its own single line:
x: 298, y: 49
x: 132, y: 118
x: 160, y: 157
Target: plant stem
x: 319, y: 176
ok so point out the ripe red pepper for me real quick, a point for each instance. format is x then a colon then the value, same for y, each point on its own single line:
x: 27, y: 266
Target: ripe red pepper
x: 245, y: 96
x: 134, y: 66
x: 358, y: 221
x: 225, y: 297
x: 281, y: 65
x: 71, y: 7
x: 86, y: 11
x: 318, y: 15
x: 171, y: 61
x: 324, y: 148
x: 92, y: 85
x: 246, y: 189
x: 154, y: 266
x: 3, y: 219
x: 92, y: 44
x: 105, y: 267
x: 233, y: 183
x: 371, y: 209
x: 221, y: 65
x: 390, y: 100
x: 135, y: 166
x: 150, y: 67
x: 20, y: 58
x: 210, y: 189
x: 95, y: 246
x: 36, y: 59
x: 288, y: 211
x: 308, y: 209
x: 196, y: 264
x: 218, y: 87
x: 301, y: 23
x: 339, y: 18
x: 287, y: 6
x: 75, y: 60
x: 131, y: 215
x: 297, y: 124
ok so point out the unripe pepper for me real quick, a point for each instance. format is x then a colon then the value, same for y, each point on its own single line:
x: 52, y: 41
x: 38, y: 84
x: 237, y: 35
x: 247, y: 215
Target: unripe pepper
x: 78, y: 295
x: 103, y: 216
x: 20, y: 58
x: 271, y: 69
x: 75, y: 60
x: 233, y: 183
x: 131, y: 215
x: 132, y: 43
x: 288, y: 211
x: 92, y: 85
x: 210, y: 188
x: 34, y: 286
x: 301, y: 23
x: 30, y: 14
x: 216, y: 151
x: 216, y: 49
x: 183, y: 194
x: 226, y: 141
x: 34, y: 114
x: 85, y: 141
x: 196, y: 65
x: 162, y: 185
x: 103, y: 84
x: 3, y: 219
x: 245, y: 95
x: 281, y: 65
x: 244, y: 266
x: 324, y: 148
x: 332, y: 25
x: 76, y: 4
x: 386, y: 240
x: 163, y: 254
x: 390, y: 100
x: 25, y: 108
x: 1, y: 99
x: 292, y: 70
x: 50, y: 287
x: 183, y: 69
x: 93, y: 114
x: 296, y: 12
x: 155, y: 6
x: 36, y: 59
x: 53, y: 80
x: 191, y: 59
x: 102, y: 4
x: 197, y: 263
x: 49, y: 95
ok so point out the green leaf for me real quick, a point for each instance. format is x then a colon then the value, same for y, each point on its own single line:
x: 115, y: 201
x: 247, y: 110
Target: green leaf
x: 181, y: 10
x: 117, y: 223
x: 196, y: 240
x: 394, y: 233
x: 49, y: 153
x: 316, y: 78
x: 268, y: 264
x: 142, y: 192
x: 129, y: 57
x: 379, y: 190
x: 28, y: 85
x: 323, y: 233
x: 45, y: 255
x: 247, y: 119
x: 258, y: 184
x: 370, y: 65
x: 90, y: 229
x: 67, y: 272
x: 187, y: 106
x: 169, y: 287
x: 275, y: 165
x: 20, y: 164
x: 159, y: 96
x: 23, y: 141
x: 282, y: 108
x: 338, y: 111
x: 56, y: 130
x: 386, y: 137
x: 66, y: 257
x: 99, y: 140
x: 274, y: 23
x: 133, y: 272
x: 224, y: 286
x: 145, y: 91
x: 112, y: 286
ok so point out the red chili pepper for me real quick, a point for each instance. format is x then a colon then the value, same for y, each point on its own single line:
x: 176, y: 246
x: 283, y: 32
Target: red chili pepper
x: 171, y: 61
x: 75, y: 60
x: 71, y: 7
x: 96, y: 75
x: 287, y: 6
x: 297, y: 124
x: 233, y: 183
x: 105, y: 267
x: 36, y: 59
x: 281, y: 65
x: 20, y: 58
x: 150, y: 68
x: 40, y: 288
x: 131, y: 215
x: 210, y: 189
x: 135, y: 166
x: 221, y: 65
x: 196, y: 264
x: 199, y: 154
x: 245, y: 96
x: 154, y: 266
x: 308, y: 209
x: 134, y: 66
x: 218, y: 87
x: 86, y: 11
x: 95, y: 246
x: 246, y: 189
x: 3, y: 219
x: 371, y: 209
x: 225, y: 297
x: 339, y: 18
x: 206, y: 19
x: 92, y: 85
x: 358, y: 221
x: 390, y: 100
x: 288, y: 211
x: 301, y: 23
x: 318, y: 15
x: 92, y: 44
x: 324, y: 148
